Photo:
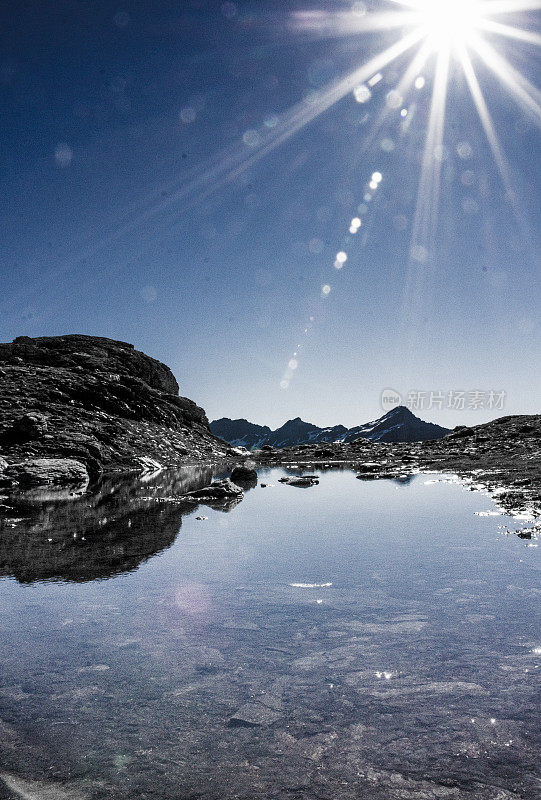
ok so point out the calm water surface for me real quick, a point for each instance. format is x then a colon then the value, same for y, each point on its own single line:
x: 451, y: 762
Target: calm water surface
x: 358, y: 639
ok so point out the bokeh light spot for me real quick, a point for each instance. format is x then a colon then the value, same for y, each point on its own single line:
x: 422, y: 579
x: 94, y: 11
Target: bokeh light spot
x: 251, y: 138
x: 187, y: 115
x: 63, y: 154
x: 362, y: 93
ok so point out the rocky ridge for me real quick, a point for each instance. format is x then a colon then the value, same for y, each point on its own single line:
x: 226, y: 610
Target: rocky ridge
x: 97, y: 402
x: 397, y: 425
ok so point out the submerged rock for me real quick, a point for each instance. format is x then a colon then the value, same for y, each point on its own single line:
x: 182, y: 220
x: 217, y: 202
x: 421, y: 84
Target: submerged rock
x: 304, y: 481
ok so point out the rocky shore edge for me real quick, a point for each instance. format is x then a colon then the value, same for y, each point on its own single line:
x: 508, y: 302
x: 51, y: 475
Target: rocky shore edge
x: 502, y: 457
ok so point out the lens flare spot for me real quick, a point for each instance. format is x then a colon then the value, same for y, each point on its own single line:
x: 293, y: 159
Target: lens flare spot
x: 251, y: 138
x: 362, y: 93
x: 326, y: 290
x: 63, y: 154
x: 293, y: 364
x: 187, y: 115
x: 464, y: 150
x: 394, y: 99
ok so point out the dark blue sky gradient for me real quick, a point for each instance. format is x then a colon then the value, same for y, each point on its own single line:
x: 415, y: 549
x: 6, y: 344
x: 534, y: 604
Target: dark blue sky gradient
x: 119, y: 218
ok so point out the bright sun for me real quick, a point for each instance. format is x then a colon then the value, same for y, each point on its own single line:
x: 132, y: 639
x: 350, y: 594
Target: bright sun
x: 448, y: 22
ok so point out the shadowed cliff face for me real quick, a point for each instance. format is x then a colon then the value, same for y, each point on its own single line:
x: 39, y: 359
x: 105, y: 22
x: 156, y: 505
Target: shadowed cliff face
x: 61, y: 537
x: 97, y: 401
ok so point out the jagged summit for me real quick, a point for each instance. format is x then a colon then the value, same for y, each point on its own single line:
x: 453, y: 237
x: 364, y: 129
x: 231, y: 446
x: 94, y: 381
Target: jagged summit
x: 397, y: 425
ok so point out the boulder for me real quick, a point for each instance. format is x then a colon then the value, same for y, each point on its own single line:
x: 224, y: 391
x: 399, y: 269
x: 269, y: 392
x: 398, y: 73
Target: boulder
x: 460, y: 432
x: 218, y: 490
x: 46, y: 471
x: 243, y: 475
x: 304, y: 481
x: 368, y: 467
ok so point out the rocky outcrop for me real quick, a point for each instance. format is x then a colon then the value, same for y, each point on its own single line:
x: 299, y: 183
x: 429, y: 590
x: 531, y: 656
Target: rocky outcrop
x: 99, y: 402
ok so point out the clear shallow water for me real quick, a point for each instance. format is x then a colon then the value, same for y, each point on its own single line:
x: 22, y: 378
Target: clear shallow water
x: 155, y: 655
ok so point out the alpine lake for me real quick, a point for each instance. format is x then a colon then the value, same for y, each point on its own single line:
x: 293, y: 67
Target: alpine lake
x: 358, y: 639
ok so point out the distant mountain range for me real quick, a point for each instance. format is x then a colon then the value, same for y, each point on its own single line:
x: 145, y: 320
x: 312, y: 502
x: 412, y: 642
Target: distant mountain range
x: 398, y: 425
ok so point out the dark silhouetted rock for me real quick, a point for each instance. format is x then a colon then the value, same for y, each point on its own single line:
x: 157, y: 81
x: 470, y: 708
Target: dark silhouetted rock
x: 303, y: 481
x: 461, y: 432
x: 368, y: 467
x: 241, y: 474
x: 97, y: 401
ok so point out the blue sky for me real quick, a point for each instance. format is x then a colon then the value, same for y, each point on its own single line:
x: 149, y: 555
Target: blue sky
x: 137, y: 203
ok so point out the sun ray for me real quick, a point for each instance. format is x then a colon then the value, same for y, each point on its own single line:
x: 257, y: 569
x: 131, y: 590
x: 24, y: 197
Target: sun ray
x: 510, y: 32
x: 403, y: 87
x: 490, y: 7
x: 232, y: 163
x: 524, y: 92
x: 426, y: 212
x: 487, y: 123
x: 495, y: 146
x: 346, y: 23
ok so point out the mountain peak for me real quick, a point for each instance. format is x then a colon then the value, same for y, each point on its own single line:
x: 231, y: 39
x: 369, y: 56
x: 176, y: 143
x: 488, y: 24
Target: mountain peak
x: 399, y: 412
x: 397, y: 425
